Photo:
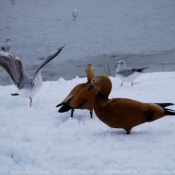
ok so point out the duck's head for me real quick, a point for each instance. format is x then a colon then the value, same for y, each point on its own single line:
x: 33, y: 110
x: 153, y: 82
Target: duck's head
x: 103, y: 82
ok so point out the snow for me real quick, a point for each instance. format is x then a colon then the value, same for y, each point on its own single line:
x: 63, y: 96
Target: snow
x: 40, y: 140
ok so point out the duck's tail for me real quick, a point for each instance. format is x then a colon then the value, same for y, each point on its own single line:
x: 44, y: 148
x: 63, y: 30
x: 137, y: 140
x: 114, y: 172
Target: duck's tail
x: 167, y: 111
x: 64, y: 107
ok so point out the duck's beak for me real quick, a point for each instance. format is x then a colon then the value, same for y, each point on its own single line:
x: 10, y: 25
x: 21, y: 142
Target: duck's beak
x: 116, y: 65
x: 90, y: 87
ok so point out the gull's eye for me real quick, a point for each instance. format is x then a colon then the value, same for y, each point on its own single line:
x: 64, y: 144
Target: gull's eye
x: 93, y: 80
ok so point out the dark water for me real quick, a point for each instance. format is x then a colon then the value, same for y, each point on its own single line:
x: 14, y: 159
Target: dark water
x: 104, y: 64
x: 140, y: 32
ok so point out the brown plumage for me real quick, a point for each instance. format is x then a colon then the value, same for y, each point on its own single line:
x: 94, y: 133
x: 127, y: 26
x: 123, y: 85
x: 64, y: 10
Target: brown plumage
x: 121, y: 112
x: 79, y: 97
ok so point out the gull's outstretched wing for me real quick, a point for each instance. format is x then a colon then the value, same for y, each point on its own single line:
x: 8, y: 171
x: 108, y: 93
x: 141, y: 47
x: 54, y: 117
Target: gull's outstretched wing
x: 125, y: 71
x: 47, y: 60
x: 13, y: 66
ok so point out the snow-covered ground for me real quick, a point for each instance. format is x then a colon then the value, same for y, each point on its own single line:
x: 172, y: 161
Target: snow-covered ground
x: 42, y: 141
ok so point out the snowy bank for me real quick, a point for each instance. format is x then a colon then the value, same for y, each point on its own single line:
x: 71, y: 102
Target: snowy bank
x: 40, y: 140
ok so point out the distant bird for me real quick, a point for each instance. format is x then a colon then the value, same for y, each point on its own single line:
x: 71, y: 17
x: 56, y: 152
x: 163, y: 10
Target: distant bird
x: 75, y: 14
x: 121, y: 112
x: 7, y: 46
x: 79, y: 98
x: 127, y: 73
x: 27, y: 86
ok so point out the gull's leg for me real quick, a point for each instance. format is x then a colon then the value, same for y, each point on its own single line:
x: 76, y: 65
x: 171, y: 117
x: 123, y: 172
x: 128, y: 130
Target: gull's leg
x: 131, y: 83
x: 121, y: 83
x: 30, y: 101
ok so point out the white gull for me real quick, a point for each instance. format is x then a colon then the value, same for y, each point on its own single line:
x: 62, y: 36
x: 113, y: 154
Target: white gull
x: 75, y: 14
x: 127, y: 73
x: 27, y: 86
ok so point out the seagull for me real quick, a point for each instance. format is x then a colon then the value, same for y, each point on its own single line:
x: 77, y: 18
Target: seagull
x: 27, y: 86
x: 75, y: 14
x: 127, y: 73
x: 6, y: 47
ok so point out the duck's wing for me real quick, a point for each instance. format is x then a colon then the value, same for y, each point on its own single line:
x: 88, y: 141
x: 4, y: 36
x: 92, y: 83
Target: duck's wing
x: 125, y: 71
x: 47, y: 60
x: 13, y: 67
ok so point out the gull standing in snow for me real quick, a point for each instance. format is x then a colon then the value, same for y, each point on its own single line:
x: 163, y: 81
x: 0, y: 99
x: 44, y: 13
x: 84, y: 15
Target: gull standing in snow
x: 7, y: 46
x: 127, y: 73
x: 75, y: 14
x: 27, y: 86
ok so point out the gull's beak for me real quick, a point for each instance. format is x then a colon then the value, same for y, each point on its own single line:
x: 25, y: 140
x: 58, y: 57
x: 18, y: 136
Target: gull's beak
x: 90, y: 87
x: 116, y: 65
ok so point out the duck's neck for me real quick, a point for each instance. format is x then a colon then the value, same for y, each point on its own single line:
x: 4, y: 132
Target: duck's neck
x: 90, y: 75
x: 105, y: 90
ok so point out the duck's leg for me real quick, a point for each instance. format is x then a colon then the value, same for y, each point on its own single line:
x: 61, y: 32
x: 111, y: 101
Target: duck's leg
x: 72, y: 111
x: 30, y: 101
x: 121, y: 83
x: 131, y: 83
x: 91, y: 113
x: 128, y: 131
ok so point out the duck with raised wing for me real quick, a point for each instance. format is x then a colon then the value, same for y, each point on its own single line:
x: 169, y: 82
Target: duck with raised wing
x: 122, y: 112
x: 127, y: 73
x: 27, y: 86
x: 79, y: 97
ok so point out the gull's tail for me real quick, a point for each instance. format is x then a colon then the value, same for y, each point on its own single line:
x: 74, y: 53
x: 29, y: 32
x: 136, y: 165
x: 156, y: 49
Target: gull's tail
x: 141, y: 70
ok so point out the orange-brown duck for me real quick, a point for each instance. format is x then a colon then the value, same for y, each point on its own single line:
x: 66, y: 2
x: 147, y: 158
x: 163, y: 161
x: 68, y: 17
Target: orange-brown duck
x: 79, y: 97
x: 121, y: 112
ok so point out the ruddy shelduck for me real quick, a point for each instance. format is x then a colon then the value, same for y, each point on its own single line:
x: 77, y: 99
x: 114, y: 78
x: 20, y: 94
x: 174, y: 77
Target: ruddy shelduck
x: 79, y: 97
x: 121, y: 112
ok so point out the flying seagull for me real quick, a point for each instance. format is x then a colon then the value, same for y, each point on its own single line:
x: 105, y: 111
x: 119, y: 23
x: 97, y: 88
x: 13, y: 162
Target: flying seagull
x: 127, y: 73
x: 7, y: 46
x: 27, y: 86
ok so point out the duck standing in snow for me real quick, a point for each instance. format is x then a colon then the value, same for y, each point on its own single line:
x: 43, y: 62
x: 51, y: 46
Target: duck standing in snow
x: 75, y: 14
x: 7, y: 46
x: 127, y: 73
x: 27, y: 86
x: 122, y: 112
x: 79, y: 97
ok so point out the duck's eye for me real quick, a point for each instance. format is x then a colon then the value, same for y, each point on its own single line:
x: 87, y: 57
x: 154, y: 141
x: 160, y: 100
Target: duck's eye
x: 93, y: 80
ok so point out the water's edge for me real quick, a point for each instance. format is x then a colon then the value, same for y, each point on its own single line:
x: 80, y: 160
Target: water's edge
x: 163, y: 61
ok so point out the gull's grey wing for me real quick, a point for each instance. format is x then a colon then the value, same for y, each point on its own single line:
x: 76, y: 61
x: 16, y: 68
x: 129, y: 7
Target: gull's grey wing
x: 47, y: 60
x: 13, y: 66
x: 125, y: 71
